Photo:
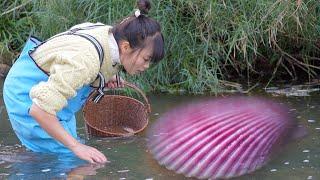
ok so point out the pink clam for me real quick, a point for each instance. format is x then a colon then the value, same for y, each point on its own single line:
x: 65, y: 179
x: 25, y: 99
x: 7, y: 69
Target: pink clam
x: 219, y: 138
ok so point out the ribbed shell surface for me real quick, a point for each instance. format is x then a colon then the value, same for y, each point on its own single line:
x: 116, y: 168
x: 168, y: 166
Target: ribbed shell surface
x: 219, y: 138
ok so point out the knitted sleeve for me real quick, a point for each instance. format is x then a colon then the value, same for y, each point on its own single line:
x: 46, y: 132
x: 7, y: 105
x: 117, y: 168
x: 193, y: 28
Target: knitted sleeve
x: 69, y: 72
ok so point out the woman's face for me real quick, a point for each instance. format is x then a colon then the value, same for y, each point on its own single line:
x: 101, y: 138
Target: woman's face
x: 135, y: 61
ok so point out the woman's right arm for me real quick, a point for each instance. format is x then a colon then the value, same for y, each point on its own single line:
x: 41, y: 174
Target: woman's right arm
x: 74, y: 64
x: 53, y: 127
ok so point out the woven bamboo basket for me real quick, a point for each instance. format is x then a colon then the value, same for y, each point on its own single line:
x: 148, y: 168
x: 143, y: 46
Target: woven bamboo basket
x: 116, y: 115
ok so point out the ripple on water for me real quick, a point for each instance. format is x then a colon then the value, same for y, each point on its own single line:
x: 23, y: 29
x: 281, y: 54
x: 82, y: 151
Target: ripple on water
x: 17, y: 148
x: 45, y: 170
x: 123, y: 171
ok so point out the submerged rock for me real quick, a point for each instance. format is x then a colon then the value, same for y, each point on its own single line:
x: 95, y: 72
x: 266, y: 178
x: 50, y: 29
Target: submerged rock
x: 6, y: 59
x: 4, y: 69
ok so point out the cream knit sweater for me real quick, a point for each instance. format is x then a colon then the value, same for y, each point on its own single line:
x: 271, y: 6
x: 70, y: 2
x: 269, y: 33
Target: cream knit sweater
x: 71, y: 62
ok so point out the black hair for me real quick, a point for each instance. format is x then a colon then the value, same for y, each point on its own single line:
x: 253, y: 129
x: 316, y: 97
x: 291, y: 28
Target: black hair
x: 136, y: 30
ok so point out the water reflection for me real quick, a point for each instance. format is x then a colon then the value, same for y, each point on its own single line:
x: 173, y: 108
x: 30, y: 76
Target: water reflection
x: 17, y: 163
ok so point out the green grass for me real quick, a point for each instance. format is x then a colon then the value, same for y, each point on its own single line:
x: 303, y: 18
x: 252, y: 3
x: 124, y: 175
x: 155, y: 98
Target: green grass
x: 210, y: 45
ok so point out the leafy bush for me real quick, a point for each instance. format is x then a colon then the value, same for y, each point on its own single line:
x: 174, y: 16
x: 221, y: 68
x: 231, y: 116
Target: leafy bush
x: 209, y: 44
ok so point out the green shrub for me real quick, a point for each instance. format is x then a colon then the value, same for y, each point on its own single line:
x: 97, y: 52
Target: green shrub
x: 209, y: 44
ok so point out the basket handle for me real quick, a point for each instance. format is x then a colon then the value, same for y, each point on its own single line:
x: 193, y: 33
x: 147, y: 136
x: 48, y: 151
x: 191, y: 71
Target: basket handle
x: 148, y: 107
x: 147, y: 104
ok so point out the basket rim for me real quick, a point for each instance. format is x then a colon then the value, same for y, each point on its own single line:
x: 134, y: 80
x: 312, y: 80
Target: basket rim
x: 112, y: 133
x: 130, y: 85
x: 113, y: 95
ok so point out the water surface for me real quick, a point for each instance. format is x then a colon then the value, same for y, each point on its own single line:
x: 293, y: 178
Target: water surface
x: 129, y: 158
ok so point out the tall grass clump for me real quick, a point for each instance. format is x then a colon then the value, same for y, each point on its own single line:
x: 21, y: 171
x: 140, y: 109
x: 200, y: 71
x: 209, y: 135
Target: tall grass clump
x: 213, y: 42
x: 15, y: 26
x: 59, y: 15
x: 210, y: 44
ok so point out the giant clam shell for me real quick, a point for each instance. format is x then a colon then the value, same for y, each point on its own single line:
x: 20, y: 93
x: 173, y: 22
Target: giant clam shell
x: 219, y: 138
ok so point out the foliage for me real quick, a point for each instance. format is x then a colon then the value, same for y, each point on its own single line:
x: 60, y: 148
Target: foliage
x: 209, y: 43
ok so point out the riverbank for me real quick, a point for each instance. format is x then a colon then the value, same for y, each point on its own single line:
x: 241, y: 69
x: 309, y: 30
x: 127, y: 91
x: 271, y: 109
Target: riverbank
x: 210, y: 46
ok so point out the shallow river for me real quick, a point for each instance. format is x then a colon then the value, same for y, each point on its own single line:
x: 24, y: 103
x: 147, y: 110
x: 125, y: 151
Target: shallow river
x: 129, y: 158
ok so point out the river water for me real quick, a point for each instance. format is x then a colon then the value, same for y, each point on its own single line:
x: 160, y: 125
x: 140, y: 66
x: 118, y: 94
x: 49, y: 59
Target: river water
x: 129, y: 157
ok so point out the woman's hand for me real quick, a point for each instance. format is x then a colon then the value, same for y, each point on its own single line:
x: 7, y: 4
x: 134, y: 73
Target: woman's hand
x: 88, y: 153
x: 112, y: 83
x: 52, y: 126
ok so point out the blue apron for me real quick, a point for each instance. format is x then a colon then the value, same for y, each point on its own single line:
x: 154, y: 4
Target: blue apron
x: 23, y: 75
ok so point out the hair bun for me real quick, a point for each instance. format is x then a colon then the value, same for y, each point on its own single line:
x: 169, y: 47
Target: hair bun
x: 144, y: 6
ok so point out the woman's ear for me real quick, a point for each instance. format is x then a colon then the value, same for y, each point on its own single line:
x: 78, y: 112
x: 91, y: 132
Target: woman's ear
x: 124, y: 46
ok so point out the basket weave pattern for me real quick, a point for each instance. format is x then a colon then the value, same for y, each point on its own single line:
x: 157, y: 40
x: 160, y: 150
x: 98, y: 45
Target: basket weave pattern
x: 116, y: 115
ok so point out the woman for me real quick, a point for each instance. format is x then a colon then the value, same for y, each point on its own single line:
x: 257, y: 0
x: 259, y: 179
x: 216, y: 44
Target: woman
x: 51, y: 80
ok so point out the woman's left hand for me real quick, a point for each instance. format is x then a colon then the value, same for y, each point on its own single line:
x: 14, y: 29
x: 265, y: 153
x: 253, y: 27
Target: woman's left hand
x: 112, y: 83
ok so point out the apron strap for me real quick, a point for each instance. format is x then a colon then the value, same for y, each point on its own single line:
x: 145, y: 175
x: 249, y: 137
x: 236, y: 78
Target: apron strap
x: 100, y: 89
x: 99, y: 49
x: 95, y: 42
